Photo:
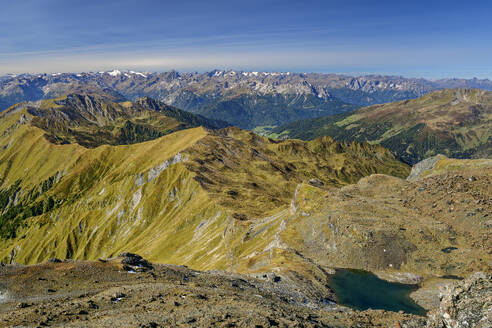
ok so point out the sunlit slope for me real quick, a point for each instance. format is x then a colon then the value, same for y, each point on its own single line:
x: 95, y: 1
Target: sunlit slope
x: 255, y: 175
x: 187, y: 198
x: 454, y: 122
x: 382, y: 223
x: 100, y: 204
x: 386, y: 224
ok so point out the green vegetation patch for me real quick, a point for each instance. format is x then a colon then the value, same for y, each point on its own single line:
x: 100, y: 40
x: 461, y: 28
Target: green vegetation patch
x: 17, y: 206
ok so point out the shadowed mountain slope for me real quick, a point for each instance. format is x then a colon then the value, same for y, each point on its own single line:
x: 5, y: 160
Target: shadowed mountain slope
x: 94, y: 120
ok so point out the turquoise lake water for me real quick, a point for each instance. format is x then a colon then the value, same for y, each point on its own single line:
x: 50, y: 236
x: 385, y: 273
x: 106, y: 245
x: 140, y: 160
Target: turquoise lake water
x: 363, y: 290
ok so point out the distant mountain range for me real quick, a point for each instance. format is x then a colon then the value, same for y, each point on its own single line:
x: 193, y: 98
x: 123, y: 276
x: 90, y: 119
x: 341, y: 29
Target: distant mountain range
x: 455, y: 122
x: 245, y: 99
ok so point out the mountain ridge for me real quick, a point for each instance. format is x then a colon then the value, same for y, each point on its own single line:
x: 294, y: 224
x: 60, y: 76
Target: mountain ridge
x: 454, y: 122
x: 190, y: 174
x: 282, y: 97
x: 93, y: 119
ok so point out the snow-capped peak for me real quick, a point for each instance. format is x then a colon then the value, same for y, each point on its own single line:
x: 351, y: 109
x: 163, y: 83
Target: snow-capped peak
x: 114, y: 73
x: 138, y: 73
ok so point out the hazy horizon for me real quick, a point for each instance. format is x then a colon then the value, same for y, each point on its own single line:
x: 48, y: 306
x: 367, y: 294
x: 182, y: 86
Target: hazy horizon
x: 431, y: 39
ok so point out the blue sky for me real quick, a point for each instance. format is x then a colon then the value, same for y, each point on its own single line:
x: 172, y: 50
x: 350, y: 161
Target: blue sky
x: 412, y: 38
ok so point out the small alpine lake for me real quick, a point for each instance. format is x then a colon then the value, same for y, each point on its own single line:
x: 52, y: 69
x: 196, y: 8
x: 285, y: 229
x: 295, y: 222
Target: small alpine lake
x: 363, y: 290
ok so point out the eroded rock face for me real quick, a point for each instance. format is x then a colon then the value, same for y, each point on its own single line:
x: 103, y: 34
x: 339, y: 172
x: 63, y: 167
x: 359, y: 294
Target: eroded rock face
x: 464, y: 304
x: 422, y: 166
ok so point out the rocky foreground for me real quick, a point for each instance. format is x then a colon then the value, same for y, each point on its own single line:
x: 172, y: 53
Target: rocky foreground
x: 128, y: 291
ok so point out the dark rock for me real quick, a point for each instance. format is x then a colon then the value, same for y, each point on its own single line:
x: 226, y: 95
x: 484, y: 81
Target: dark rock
x: 448, y: 250
x: 83, y: 312
x: 451, y: 276
x: 127, y: 268
x: 240, y: 216
x: 129, y: 255
x: 134, y: 262
x: 51, y: 290
x: 23, y: 305
x: 316, y: 182
x: 54, y: 260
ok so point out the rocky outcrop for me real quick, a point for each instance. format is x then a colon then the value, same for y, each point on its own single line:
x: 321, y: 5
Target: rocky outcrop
x: 427, y: 164
x: 465, y: 304
x: 134, y: 262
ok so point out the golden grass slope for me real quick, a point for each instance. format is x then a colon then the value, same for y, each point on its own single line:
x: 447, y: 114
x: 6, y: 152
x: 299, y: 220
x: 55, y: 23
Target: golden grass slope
x: 181, y: 198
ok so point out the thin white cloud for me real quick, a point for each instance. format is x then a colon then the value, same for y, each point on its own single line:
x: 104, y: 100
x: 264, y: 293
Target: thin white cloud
x: 248, y: 56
